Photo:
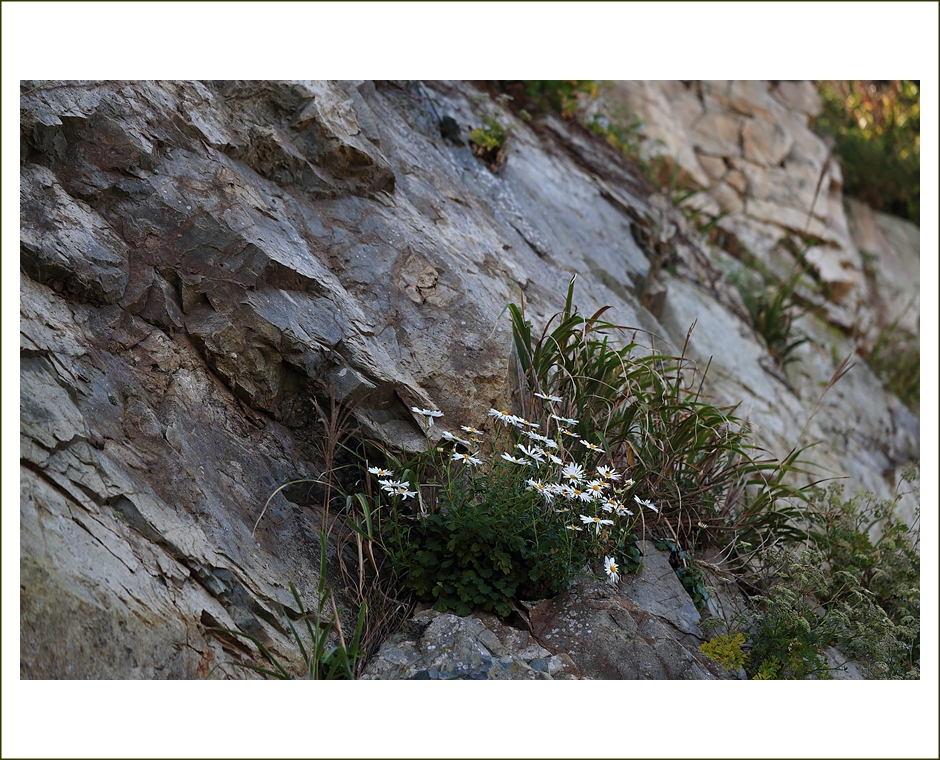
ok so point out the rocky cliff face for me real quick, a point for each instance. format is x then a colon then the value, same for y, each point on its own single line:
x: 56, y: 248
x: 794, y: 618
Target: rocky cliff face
x: 204, y: 263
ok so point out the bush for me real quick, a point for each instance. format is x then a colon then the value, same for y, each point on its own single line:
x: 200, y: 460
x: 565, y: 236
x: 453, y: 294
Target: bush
x: 610, y: 440
x: 843, y: 590
x: 876, y: 128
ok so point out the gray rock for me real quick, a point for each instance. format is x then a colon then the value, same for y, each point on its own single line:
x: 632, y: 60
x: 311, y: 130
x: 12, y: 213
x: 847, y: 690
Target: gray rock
x: 659, y: 591
x: 444, y: 646
x: 609, y: 636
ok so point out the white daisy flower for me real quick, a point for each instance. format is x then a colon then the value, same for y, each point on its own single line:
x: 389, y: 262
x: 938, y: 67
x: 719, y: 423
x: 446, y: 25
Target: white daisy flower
x: 556, y: 399
x: 596, y: 522
x: 562, y: 490
x: 580, y: 493
x: 404, y: 492
x: 392, y: 485
x: 502, y: 416
x: 534, y: 452
x: 573, y: 473
x: 510, y: 458
x: 645, y: 503
x: 592, y: 446
x: 538, y: 485
x: 457, y: 439
x: 574, y: 527
x: 628, y: 483
x: 428, y: 413
x: 612, y: 505
x: 568, y: 433
x: 381, y: 472
x: 564, y: 420
x: 471, y: 430
x: 612, y: 570
x: 552, y: 458
x: 465, y: 458
x: 596, y: 488
x: 607, y: 473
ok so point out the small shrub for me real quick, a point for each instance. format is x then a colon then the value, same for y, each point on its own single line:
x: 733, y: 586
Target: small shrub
x: 842, y: 590
x: 522, y: 524
x: 726, y: 650
x: 873, y: 586
x: 488, y: 142
x: 695, y: 460
x: 790, y: 637
x: 563, y: 96
x: 876, y: 128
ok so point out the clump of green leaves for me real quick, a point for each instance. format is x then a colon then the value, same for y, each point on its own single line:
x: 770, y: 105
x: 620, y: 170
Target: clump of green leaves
x: 491, y: 136
x: 773, y: 309
x: 844, y: 589
x: 692, y: 578
x: 518, y: 525
x: 561, y: 96
x: 876, y: 128
x: 488, y: 142
x: 726, y: 650
x: 790, y: 636
x: 875, y: 584
x: 691, y: 457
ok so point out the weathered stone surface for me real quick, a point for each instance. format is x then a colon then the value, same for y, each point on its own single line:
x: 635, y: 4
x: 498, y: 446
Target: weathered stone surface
x: 893, y: 247
x: 799, y: 96
x: 718, y: 134
x: 435, y: 646
x: 610, y: 636
x: 793, y: 187
x: 765, y: 142
x: 65, y: 244
x: 838, y: 275
x: 659, y: 591
x: 142, y: 478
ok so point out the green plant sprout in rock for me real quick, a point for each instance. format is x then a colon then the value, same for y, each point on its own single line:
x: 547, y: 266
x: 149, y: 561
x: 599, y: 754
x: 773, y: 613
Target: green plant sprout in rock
x: 321, y: 661
x: 488, y: 142
x: 691, y: 577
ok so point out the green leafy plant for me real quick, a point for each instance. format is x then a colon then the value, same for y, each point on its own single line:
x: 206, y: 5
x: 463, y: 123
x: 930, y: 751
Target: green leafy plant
x: 876, y: 129
x: 692, y: 578
x: 647, y: 409
x: 488, y: 142
x: 320, y: 659
x: 790, y: 636
x: 773, y: 309
x: 726, y: 650
x: 873, y: 585
x: 466, y: 533
x: 841, y: 589
x: 562, y: 96
x: 491, y: 136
